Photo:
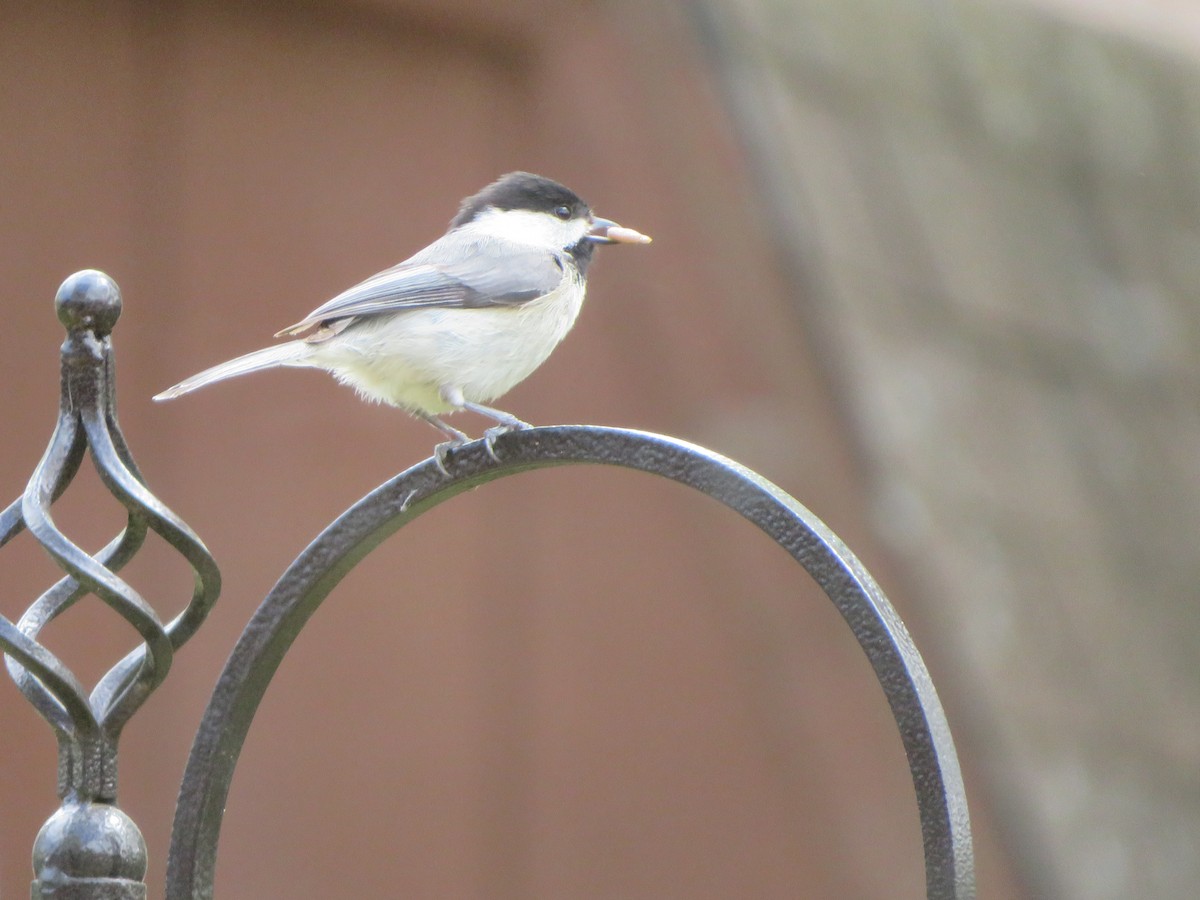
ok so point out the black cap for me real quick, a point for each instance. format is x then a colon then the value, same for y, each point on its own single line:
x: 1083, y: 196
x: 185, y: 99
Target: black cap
x: 521, y: 190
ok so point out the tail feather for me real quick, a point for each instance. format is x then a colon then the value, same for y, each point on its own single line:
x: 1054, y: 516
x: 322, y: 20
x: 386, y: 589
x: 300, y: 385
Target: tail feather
x: 280, y: 355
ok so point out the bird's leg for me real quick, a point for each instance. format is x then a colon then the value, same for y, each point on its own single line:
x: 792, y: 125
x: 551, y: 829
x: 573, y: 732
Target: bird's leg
x: 442, y: 450
x: 506, y: 421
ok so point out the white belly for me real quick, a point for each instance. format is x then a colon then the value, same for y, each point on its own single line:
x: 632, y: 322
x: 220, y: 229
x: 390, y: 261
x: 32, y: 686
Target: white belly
x: 408, y: 358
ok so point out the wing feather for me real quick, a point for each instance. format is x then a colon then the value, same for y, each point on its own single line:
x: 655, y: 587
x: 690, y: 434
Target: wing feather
x: 483, y: 275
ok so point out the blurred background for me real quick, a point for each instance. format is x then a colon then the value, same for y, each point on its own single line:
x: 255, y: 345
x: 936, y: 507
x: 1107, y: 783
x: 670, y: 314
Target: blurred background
x: 929, y: 266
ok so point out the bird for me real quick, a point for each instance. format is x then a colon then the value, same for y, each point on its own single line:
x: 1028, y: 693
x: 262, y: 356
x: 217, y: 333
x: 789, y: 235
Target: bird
x: 457, y: 324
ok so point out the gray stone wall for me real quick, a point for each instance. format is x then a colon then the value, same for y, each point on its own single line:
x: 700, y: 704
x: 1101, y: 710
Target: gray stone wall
x: 993, y: 212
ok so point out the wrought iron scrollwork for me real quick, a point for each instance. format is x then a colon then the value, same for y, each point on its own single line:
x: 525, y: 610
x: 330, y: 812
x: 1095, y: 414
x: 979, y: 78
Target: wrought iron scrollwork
x: 89, y: 847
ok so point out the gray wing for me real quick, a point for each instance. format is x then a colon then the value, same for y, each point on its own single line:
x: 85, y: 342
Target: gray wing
x: 483, y: 275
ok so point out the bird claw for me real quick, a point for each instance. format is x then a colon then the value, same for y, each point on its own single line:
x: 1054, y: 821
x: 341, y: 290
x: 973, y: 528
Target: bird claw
x: 490, y: 436
x: 442, y: 451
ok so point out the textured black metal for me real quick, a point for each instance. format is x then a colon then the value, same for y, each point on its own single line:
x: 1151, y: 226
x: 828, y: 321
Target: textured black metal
x: 304, y: 586
x: 89, y: 849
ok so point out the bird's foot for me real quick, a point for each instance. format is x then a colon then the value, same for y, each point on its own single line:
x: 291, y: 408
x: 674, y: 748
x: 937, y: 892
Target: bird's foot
x: 442, y: 451
x: 490, y: 436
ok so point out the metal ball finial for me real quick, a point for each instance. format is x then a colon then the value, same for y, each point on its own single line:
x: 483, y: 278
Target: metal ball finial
x: 88, y: 301
x: 89, y: 840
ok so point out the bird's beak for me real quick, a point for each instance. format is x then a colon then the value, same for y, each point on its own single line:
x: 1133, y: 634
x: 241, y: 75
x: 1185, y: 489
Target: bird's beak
x: 606, y: 231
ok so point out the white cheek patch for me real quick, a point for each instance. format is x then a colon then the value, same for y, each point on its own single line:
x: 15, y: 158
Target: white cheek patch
x: 527, y: 227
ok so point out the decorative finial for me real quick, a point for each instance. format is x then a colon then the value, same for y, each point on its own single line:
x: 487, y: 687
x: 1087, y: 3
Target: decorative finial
x: 89, y: 301
x: 89, y: 848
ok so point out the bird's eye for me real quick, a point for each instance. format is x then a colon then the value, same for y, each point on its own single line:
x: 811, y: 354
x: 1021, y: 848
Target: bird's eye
x: 563, y: 212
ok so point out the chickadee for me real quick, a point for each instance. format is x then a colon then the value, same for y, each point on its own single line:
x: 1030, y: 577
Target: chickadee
x: 461, y: 322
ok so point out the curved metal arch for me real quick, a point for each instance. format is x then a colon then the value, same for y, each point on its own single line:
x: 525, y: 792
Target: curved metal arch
x: 941, y: 800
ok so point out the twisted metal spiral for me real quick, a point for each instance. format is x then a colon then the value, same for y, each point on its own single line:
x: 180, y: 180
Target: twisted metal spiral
x: 88, y: 727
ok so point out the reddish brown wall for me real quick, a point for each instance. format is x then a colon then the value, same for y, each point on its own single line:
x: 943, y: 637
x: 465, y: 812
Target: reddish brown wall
x: 572, y: 684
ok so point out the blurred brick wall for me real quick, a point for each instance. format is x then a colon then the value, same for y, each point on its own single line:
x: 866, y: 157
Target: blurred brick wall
x: 995, y: 209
